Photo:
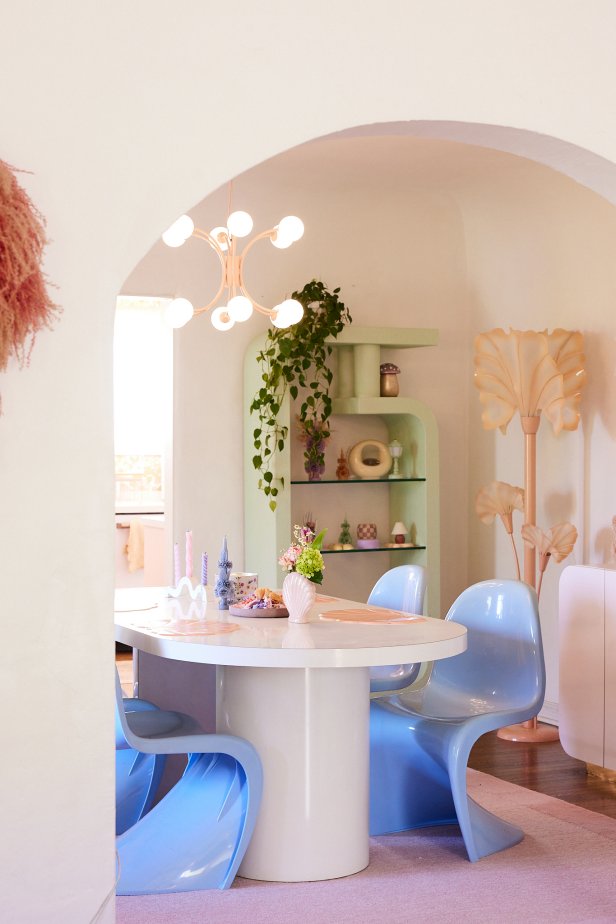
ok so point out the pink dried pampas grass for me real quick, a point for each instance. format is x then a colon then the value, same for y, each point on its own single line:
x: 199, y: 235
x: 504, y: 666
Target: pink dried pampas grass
x: 25, y: 306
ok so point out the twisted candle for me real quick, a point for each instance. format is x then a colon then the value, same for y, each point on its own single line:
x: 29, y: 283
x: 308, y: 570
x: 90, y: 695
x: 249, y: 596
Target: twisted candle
x: 204, y: 568
x: 176, y: 564
x: 189, y: 555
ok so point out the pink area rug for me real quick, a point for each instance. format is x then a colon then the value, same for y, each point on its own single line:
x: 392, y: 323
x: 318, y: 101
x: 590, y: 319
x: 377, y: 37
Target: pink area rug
x: 563, y: 872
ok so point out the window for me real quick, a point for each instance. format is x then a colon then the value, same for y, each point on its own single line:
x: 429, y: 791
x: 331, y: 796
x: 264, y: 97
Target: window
x: 143, y: 383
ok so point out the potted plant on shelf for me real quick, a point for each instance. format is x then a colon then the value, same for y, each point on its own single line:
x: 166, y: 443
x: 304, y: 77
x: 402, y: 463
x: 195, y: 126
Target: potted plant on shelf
x: 296, y: 359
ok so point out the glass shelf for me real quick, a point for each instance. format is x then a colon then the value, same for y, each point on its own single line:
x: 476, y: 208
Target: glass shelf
x: 356, y: 481
x: 381, y: 548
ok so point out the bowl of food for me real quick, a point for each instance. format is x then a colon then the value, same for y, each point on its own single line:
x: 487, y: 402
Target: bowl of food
x: 262, y: 604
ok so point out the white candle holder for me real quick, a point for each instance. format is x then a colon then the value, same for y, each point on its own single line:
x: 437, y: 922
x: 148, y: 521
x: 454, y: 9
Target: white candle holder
x: 185, y: 585
x: 395, y: 450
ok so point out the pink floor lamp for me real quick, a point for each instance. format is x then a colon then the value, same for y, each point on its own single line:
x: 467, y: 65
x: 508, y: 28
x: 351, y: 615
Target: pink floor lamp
x: 531, y: 373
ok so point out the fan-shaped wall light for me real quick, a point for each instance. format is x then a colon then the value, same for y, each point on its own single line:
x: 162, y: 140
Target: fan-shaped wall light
x: 238, y: 304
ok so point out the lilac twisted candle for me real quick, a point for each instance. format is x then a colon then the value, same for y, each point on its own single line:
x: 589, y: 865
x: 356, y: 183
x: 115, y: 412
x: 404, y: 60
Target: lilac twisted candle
x: 189, y: 554
x: 204, y: 568
x: 176, y: 564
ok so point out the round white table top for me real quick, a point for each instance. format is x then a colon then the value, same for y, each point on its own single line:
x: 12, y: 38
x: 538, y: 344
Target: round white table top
x: 190, y: 630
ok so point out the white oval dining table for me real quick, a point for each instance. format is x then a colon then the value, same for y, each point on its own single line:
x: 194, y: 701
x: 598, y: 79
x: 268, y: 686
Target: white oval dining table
x: 301, y: 694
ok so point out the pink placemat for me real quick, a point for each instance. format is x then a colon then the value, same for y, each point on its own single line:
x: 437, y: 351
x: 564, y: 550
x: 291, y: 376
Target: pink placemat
x: 191, y: 627
x: 372, y: 616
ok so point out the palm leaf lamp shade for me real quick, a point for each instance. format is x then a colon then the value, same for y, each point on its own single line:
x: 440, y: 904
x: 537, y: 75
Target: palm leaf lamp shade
x: 531, y: 373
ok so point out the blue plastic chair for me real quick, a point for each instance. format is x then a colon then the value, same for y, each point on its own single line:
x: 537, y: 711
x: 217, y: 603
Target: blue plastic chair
x: 421, y: 739
x: 402, y: 588
x: 137, y: 775
x: 196, y: 836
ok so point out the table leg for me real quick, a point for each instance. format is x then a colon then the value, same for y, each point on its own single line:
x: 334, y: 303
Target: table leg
x: 310, y: 727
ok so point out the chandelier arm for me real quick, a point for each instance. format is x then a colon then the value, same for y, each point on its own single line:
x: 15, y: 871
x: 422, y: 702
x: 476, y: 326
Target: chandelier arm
x: 258, y: 237
x: 211, y: 303
x: 202, y: 235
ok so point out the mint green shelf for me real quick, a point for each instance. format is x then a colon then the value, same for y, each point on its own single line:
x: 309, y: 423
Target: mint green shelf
x: 412, y: 423
x: 363, y: 481
x: 382, y: 548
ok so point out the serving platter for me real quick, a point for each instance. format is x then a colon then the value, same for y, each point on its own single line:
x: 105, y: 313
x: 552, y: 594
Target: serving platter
x: 259, y: 613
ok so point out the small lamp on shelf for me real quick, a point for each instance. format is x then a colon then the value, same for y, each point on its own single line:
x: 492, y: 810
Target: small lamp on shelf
x: 395, y: 451
x: 399, y: 532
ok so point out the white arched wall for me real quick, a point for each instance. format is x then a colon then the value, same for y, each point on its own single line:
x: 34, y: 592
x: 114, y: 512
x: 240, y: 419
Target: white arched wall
x: 114, y: 111
x: 415, y: 231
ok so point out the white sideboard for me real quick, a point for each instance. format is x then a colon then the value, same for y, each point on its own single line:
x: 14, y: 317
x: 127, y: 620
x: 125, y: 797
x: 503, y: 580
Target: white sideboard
x: 587, y: 634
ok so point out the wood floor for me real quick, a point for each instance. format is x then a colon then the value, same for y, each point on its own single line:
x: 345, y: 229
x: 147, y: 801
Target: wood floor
x: 544, y: 768
x: 541, y: 767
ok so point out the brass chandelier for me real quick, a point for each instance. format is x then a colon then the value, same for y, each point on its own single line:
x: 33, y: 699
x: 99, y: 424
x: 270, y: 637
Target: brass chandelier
x: 232, y: 300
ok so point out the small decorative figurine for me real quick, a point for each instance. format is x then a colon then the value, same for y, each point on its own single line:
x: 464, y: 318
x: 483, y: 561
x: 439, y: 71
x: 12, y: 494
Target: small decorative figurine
x: 399, y: 532
x: 343, y: 472
x: 389, y: 380
x: 344, y: 539
x: 223, y: 587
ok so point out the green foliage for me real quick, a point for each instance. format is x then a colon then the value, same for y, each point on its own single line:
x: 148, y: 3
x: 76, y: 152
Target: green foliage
x: 296, y: 359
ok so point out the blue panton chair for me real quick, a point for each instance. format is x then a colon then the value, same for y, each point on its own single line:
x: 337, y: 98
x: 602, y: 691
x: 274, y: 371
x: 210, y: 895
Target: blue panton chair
x: 420, y: 740
x: 137, y: 774
x: 197, y: 835
x: 401, y: 588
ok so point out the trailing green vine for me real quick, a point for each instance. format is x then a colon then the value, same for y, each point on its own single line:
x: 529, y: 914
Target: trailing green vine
x: 296, y: 359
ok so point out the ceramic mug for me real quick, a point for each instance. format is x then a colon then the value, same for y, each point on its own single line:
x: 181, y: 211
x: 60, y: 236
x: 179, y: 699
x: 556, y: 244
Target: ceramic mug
x: 244, y: 583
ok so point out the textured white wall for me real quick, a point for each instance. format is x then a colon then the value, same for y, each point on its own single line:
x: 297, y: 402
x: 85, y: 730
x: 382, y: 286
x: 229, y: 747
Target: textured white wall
x: 113, y: 110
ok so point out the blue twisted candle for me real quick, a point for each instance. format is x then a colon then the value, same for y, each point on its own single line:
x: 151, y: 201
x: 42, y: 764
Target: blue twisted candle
x: 204, y: 568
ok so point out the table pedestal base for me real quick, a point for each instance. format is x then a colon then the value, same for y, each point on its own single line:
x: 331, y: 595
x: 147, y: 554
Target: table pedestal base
x: 310, y: 727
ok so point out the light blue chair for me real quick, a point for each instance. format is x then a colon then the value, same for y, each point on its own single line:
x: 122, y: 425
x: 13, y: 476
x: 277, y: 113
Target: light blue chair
x: 401, y: 588
x: 196, y: 836
x: 137, y: 775
x: 421, y: 740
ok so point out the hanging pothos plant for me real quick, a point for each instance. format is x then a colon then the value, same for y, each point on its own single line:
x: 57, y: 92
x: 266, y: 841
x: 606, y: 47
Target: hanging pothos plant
x: 297, y: 359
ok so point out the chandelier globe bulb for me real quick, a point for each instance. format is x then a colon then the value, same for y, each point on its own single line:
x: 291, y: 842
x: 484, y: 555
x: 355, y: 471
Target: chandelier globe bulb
x: 293, y: 311
x: 179, y: 312
x: 239, y: 308
x: 277, y: 316
x: 179, y: 231
x: 281, y: 241
x: 221, y: 319
x: 239, y: 224
x: 282, y: 315
x: 291, y: 227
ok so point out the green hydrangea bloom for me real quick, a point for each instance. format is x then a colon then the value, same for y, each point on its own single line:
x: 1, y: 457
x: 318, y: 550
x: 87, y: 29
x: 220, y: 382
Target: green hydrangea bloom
x: 309, y: 563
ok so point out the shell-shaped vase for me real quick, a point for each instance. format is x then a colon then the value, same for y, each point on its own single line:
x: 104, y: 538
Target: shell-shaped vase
x: 299, y: 595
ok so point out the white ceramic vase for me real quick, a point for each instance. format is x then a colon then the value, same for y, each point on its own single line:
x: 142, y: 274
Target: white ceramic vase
x: 298, y: 594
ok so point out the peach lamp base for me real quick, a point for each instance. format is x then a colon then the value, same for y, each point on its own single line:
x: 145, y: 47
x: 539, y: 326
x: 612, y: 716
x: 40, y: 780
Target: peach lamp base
x: 529, y: 731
